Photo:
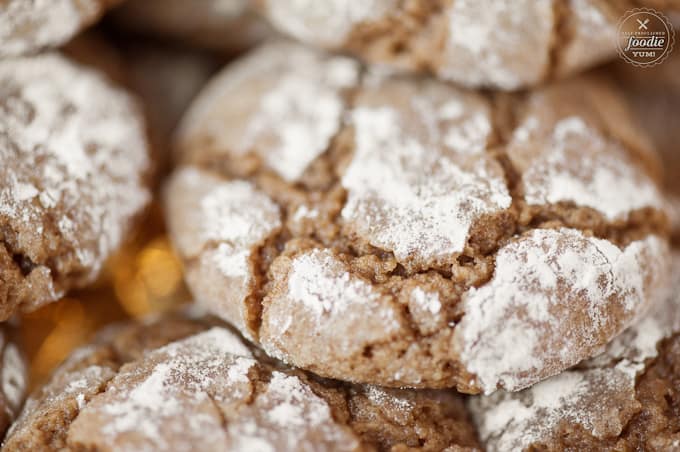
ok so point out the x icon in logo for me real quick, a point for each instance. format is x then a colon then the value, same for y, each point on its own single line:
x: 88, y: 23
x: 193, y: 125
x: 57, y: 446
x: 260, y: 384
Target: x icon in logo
x: 643, y: 24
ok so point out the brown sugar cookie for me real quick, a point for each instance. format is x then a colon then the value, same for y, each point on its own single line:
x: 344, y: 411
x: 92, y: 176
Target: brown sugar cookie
x: 73, y: 175
x: 627, y: 398
x: 487, y: 43
x: 178, y: 383
x: 13, y: 376
x: 27, y: 26
x: 404, y: 232
x: 224, y: 25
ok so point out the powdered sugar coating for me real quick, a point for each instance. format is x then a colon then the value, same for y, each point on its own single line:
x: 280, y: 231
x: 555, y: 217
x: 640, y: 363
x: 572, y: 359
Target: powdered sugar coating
x: 328, y: 23
x: 144, y: 408
x: 593, y: 28
x: 343, y: 309
x: 290, y: 103
x: 74, y: 157
x: 488, y: 41
x: 28, y: 26
x: 575, y: 162
x: 288, y: 416
x: 474, y: 43
x: 528, y: 322
x: 599, y: 395
x: 405, y: 212
x: 419, y: 177
x: 14, y: 377
x: 218, y: 224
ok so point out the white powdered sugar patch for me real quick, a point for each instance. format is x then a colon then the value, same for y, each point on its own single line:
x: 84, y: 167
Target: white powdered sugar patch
x: 580, y: 165
x: 298, y: 116
x: 28, y: 26
x: 528, y: 323
x: 322, y: 302
x: 172, y: 396
x: 288, y: 415
x: 222, y: 223
x: 324, y: 288
x: 296, y: 405
x: 326, y: 23
x: 488, y: 42
x: 283, y: 103
x: 409, y: 191
x: 427, y: 301
x: 591, y: 395
x: 388, y: 398
x: 229, y: 8
x: 76, y: 153
x: 14, y: 376
x: 233, y: 215
x: 304, y: 213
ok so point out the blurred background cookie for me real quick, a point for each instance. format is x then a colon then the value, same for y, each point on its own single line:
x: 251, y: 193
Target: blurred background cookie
x: 75, y: 170
x: 489, y: 43
x: 28, y: 26
x: 225, y: 25
x: 654, y: 95
x: 403, y: 232
x: 184, y: 383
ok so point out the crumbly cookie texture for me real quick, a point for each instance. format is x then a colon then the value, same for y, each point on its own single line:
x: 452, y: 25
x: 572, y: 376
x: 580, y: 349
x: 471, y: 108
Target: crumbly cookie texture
x: 225, y: 25
x: 623, y: 399
x: 13, y: 376
x: 73, y: 165
x: 403, y: 232
x: 182, y: 383
x: 28, y: 26
x: 488, y: 43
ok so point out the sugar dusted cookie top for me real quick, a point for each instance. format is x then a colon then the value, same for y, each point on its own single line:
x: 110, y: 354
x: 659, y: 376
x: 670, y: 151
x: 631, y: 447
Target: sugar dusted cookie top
x: 404, y: 232
x: 181, y: 383
x: 489, y: 43
x: 28, y: 26
x: 73, y: 165
x: 622, y: 398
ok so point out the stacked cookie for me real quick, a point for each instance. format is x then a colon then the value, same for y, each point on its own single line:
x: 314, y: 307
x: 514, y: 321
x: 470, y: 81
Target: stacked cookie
x: 382, y: 256
x: 74, y: 166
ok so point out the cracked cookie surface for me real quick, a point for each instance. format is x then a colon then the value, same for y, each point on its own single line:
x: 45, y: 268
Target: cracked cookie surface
x: 181, y: 382
x: 74, y: 164
x: 474, y: 43
x: 627, y: 398
x: 404, y: 232
x: 28, y: 26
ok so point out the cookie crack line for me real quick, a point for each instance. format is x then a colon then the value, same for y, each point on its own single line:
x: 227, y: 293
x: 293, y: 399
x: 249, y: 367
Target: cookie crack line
x: 348, y: 104
x: 24, y: 265
x: 559, y: 39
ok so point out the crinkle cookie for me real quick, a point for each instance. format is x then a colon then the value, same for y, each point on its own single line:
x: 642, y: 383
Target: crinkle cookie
x: 74, y: 166
x: 13, y: 376
x: 227, y: 25
x: 477, y: 43
x: 404, y: 232
x: 27, y: 26
x: 627, y: 398
x: 177, y: 383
